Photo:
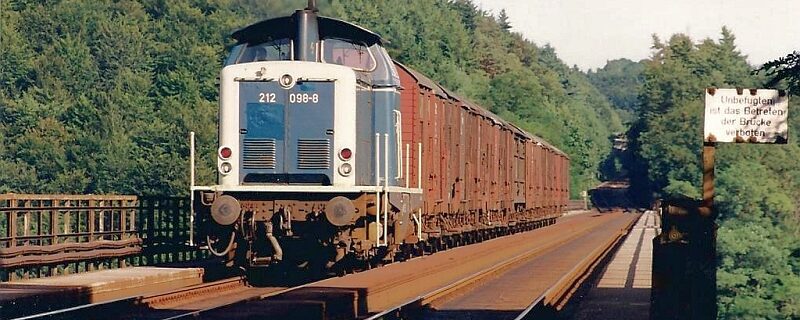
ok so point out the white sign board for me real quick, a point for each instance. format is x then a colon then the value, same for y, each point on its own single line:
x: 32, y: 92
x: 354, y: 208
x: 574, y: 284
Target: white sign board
x: 749, y: 115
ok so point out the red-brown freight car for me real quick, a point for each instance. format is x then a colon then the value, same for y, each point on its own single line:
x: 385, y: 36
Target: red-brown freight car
x: 480, y: 174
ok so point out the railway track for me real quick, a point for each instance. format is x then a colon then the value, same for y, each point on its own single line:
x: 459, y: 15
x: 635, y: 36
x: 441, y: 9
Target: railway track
x: 401, y: 292
x: 456, y: 301
x: 392, y: 291
x: 194, y: 300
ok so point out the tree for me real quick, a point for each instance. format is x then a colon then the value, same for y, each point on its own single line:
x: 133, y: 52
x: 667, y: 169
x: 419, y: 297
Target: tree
x: 98, y: 96
x: 619, y: 80
x: 502, y: 19
x: 759, y: 237
x: 784, y: 69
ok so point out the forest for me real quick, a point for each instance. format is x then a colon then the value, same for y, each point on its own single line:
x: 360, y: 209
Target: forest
x: 756, y: 186
x: 99, y: 97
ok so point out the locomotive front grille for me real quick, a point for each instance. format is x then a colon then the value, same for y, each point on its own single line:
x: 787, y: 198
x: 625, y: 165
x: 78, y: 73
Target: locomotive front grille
x: 313, y: 154
x: 258, y: 154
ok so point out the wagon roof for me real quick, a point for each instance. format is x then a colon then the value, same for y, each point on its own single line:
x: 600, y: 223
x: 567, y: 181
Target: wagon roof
x: 422, y: 80
x: 426, y: 82
x: 476, y: 108
x: 519, y: 130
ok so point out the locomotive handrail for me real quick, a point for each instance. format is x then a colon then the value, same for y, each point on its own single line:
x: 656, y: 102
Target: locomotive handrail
x: 419, y: 165
x: 386, y: 187
x: 378, y: 198
x: 398, y: 136
x: 191, y: 187
x: 408, y: 154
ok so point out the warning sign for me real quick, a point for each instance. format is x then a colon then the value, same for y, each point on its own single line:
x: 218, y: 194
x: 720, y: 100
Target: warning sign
x: 749, y: 115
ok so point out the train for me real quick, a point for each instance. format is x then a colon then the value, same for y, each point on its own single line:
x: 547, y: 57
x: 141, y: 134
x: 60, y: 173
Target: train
x: 331, y: 154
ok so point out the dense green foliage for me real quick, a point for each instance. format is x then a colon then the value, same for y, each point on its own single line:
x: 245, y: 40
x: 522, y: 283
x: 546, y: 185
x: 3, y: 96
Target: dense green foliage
x: 474, y: 54
x: 756, y: 187
x: 619, y: 80
x: 785, y: 69
x: 99, y: 96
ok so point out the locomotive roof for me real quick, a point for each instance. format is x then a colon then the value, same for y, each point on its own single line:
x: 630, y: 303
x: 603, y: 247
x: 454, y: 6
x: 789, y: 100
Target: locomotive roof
x: 283, y: 27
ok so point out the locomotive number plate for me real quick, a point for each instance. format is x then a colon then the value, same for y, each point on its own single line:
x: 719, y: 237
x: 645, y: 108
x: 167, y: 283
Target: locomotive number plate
x: 303, y: 98
x: 270, y: 97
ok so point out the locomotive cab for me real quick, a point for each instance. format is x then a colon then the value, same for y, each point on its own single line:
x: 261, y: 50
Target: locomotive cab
x: 289, y: 108
x: 309, y: 144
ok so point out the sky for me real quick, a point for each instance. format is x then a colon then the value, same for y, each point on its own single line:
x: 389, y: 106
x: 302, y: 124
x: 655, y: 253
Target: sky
x: 588, y: 33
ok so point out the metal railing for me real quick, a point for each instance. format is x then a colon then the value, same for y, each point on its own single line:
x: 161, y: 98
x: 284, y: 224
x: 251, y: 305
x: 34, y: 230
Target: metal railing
x: 46, y: 235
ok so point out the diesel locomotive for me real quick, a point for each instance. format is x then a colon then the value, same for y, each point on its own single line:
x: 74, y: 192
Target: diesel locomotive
x: 331, y: 152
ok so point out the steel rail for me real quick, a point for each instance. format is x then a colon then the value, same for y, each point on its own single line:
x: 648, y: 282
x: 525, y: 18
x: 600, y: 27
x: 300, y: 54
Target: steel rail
x: 132, y: 301
x: 442, y: 292
x: 190, y: 291
x: 578, y: 271
x: 195, y: 313
x: 77, y: 310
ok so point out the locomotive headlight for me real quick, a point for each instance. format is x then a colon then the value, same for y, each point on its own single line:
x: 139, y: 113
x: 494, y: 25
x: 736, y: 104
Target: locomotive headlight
x: 345, y: 169
x: 225, y: 153
x: 345, y: 154
x: 286, y: 81
x: 225, y: 168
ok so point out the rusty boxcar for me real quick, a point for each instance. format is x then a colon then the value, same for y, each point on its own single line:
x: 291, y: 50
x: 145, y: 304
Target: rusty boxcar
x: 479, y: 174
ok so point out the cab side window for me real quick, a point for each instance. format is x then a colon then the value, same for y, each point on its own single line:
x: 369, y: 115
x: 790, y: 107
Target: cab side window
x: 346, y: 53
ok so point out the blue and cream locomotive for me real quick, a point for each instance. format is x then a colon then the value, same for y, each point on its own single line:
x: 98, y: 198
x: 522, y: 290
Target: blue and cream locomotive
x: 309, y: 160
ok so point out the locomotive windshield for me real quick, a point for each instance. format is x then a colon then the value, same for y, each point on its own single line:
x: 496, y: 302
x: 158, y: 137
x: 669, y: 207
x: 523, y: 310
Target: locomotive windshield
x: 340, y: 42
x: 346, y: 53
x: 274, y: 50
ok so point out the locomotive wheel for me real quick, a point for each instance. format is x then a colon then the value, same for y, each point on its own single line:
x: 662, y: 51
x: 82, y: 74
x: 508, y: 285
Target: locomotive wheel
x: 403, y: 254
x: 449, y: 242
x: 348, y: 264
x: 427, y: 246
x: 436, y: 245
x: 419, y: 249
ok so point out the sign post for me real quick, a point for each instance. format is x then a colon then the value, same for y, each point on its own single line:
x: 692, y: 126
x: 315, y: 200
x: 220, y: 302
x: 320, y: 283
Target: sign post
x: 738, y: 116
x: 684, y: 265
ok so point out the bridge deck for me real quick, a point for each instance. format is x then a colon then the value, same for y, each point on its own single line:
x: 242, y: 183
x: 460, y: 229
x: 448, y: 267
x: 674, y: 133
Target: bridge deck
x: 44, y: 294
x: 623, y: 288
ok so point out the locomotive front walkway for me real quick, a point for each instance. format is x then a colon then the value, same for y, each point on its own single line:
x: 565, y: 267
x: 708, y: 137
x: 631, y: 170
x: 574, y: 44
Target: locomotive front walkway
x: 622, y: 290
